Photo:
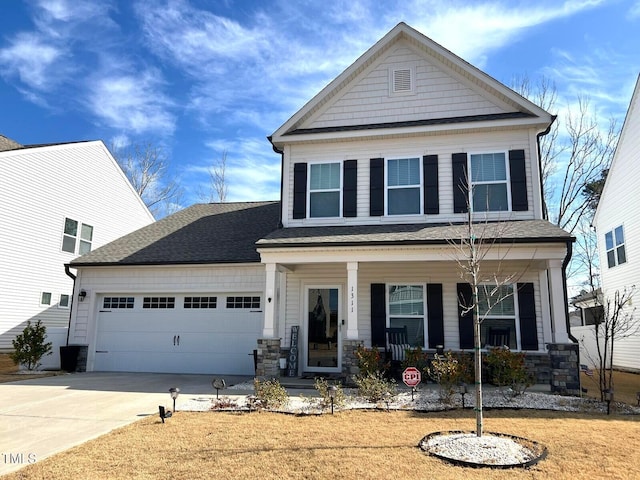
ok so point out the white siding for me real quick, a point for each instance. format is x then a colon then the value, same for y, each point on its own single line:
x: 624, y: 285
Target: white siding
x: 438, y: 93
x: 418, y: 272
x: 619, y: 205
x: 443, y: 146
x: 39, y: 187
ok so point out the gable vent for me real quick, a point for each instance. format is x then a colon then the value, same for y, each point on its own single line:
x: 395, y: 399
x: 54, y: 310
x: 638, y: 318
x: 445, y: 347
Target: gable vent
x: 402, y: 80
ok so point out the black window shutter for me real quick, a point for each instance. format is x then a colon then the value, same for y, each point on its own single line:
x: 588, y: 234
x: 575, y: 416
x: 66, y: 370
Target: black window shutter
x: 435, y: 314
x: 299, y: 190
x: 430, y: 180
x: 527, y: 312
x: 518, y: 174
x: 460, y: 185
x: 350, y: 188
x: 465, y: 321
x: 376, y: 187
x: 378, y: 314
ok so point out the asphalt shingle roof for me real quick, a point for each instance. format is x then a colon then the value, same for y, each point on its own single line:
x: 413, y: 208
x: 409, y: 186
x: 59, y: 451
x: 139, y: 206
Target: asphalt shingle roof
x: 521, y: 231
x: 200, y: 234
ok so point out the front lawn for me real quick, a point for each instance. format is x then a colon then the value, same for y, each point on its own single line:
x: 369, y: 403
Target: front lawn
x: 349, y: 444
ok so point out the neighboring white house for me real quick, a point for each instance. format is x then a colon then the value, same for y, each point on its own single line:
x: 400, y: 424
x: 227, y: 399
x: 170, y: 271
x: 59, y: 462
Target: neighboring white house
x: 378, y: 171
x: 617, y: 223
x: 56, y: 203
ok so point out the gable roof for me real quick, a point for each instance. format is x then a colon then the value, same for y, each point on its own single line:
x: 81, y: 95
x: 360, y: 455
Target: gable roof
x: 200, y: 234
x: 627, y: 135
x: 518, y: 231
x: 7, y: 144
x: 510, y: 107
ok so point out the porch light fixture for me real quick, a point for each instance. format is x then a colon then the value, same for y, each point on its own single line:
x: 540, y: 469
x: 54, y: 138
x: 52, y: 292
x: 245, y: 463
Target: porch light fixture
x: 82, y: 295
x: 174, y: 392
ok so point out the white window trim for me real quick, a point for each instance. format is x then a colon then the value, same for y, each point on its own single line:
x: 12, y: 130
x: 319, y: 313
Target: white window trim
x: 515, y: 317
x: 50, y: 297
x: 77, y: 237
x: 615, y: 247
x: 339, y: 190
x: 507, y: 180
x: 68, y: 305
x: 420, y: 186
x: 424, y: 316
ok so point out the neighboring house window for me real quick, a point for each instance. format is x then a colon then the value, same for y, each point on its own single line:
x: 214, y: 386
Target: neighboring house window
x: 70, y: 236
x: 403, y: 186
x: 324, y: 190
x: 496, y: 308
x: 64, y: 301
x: 45, y: 298
x: 200, y: 302
x: 159, y: 302
x: 243, y: 302
x: 406, y: 309
x: 118, y: 302
x: 614, y: 242
x: 489, y: 192
x: 592, y: 315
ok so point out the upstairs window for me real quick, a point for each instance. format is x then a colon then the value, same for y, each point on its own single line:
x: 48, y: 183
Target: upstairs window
x: 403, y: 186
x: 76, y: 233
x: 614, y: 243
x: 64, y: 301
x: 45, y: 298
x: 489, y: 190
x: 324, y: 190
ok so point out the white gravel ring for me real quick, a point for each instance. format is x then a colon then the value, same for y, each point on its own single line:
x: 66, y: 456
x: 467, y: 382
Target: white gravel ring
x: 491, y: 450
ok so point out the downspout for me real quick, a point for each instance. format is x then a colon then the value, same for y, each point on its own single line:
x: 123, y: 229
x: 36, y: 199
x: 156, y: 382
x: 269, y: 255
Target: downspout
x: 538, y: 137
x: 565, y: 263
x: 281, y: 152
x: 73, y: 296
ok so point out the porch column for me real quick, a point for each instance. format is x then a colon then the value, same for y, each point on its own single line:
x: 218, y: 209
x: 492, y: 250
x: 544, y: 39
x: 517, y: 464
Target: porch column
x: 547, y: 331
x: 268, y: 330
x: 556, y: 299
x: 352, y: 301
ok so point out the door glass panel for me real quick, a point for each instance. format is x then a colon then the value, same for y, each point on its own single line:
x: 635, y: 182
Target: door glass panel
x: 322, y: 338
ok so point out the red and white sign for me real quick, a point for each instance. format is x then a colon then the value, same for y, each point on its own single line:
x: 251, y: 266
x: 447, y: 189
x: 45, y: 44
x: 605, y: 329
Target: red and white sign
x: 411, y: 376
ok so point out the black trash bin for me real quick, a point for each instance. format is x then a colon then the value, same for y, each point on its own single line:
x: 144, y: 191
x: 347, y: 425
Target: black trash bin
x: 69, y: 357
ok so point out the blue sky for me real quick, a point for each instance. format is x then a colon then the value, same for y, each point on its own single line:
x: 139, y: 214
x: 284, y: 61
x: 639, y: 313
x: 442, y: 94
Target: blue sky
x: 199, y: 77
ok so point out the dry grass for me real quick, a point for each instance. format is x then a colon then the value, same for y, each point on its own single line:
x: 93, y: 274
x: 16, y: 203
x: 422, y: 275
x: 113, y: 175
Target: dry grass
x: 8, y: 371
x: 353, y: 444
x: 625, y: 386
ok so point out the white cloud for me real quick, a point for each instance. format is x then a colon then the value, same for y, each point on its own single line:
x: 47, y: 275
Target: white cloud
x: 33, y: 60
x: 634, y: 11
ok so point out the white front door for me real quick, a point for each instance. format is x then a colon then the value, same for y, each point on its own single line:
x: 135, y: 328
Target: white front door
x: 323, y: 321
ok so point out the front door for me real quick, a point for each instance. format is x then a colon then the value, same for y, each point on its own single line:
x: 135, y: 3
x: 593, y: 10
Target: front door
x: 323, y: 330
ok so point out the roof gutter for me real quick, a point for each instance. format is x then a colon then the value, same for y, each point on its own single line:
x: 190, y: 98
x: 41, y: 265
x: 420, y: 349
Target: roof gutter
x: 73, y: 277
x: 539, y: 136
x: 281, y: 152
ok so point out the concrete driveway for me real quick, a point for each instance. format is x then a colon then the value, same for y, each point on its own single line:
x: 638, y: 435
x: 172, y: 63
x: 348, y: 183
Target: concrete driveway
x: 44, y: 416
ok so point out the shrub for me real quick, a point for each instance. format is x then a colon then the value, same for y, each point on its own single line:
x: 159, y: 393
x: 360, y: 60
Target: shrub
x: 270, y: 394
x: 375, y: 387
x: 369, y: 360
x: 30, y: 347
x: 507, y: 369
x: 448, y: 371
x: 415, y: 357
x: 324, y: 389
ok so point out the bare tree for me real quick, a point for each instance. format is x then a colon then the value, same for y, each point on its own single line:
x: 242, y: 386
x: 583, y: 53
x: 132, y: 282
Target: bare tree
x: 146, y: 166
x: 217, y: 188
x: 616, y: 321
x: 489, y: 286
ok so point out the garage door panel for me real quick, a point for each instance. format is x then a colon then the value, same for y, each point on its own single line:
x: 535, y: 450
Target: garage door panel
x: 211, y: 340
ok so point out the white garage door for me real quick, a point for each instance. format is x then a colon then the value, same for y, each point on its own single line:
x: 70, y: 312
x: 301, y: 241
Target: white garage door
x: 178, y: 333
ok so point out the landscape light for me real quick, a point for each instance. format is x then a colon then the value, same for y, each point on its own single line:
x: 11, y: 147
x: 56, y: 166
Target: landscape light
x: 174, y: 392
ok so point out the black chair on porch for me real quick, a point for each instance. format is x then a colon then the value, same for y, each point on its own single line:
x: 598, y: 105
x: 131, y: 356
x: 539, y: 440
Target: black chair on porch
x: 498, y: 337
x: 397, y: 342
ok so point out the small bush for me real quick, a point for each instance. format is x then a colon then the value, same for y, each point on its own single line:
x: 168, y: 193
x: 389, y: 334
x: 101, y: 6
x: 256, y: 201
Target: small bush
x: 29, y: 346
x: 448, y: 371
x: 224, y: 403
x: 375, y: 387
x: 415, y: 357
x: 270, y: 394
x: 324, y: 389
x: 369, y: 360
x: 507, y: 369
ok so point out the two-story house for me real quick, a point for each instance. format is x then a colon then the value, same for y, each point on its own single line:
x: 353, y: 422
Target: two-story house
x: 617, y: 221
x: 379, y: 172
x: 56, y: 202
